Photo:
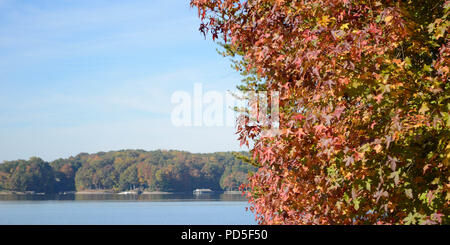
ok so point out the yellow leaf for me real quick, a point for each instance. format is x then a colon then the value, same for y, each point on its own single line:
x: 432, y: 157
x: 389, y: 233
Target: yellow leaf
x: 378, y: 148
x: 424, y: 108
x: 325, y: 20
x: 344, y: 26
x: 388, y: 18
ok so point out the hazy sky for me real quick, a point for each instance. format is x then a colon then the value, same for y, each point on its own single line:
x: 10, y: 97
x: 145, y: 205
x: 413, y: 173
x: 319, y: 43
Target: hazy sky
x: 88, y: 76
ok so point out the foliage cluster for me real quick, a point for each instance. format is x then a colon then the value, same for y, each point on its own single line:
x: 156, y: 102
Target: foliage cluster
x: 364, y: 106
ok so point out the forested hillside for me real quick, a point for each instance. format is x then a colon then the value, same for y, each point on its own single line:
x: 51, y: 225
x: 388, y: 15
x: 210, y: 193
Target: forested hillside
x: 125, y: 170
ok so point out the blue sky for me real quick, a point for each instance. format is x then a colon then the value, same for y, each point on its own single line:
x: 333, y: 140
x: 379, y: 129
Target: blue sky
x: 88, y: 76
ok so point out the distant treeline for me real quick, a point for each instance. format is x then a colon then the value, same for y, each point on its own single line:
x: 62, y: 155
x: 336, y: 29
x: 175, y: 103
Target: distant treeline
x: 176, y: 171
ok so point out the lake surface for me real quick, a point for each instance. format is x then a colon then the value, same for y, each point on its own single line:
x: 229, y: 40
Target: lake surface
x: 114, y: 209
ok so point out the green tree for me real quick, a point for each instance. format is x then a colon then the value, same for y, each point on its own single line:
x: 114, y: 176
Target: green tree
x: 32, y: 175
x: 129, y: 178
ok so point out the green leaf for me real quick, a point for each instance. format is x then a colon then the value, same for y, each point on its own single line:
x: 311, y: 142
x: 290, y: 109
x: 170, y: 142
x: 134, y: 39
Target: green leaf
x: 356, y: 203
x: 368, y: 185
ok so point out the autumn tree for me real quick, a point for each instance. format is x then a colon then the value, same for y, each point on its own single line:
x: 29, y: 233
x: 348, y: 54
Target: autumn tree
x: 32, y: 175
x: 364, y: 107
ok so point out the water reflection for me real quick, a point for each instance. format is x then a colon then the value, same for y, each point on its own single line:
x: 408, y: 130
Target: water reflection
x: 126, y: 197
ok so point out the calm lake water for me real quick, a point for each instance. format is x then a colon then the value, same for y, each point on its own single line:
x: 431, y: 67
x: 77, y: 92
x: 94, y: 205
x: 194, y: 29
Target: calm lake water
x: 114, y: 209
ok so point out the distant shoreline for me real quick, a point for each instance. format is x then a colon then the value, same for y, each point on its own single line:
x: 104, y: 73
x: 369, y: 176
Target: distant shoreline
x: 233, y: 192
x: 96, y: 192
x: 127, y: 172
x: 5, y: 192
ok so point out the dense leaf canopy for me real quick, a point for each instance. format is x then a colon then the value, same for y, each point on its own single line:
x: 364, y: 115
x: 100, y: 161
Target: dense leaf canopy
x: 364, y: 106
